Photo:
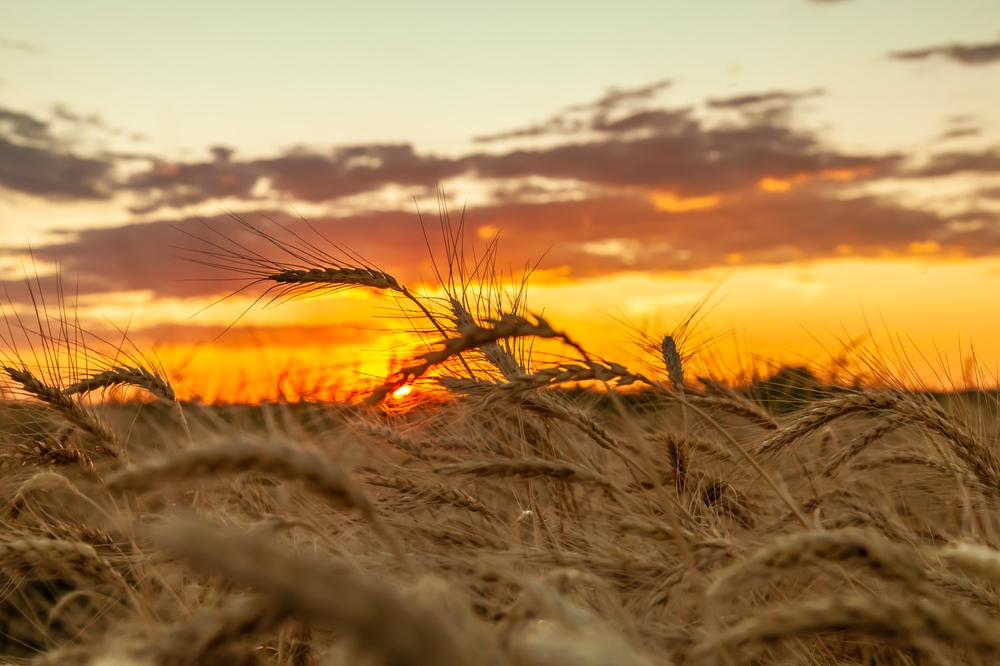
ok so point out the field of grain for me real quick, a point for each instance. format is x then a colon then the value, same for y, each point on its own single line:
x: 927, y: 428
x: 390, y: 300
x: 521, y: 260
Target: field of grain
x: 498, y: 514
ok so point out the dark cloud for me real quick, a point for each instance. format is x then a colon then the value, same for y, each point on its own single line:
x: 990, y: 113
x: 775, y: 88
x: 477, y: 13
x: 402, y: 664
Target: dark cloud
x: 34, y: 161
x: 688, y: 159
x: 609, y: 142
x: 31, y: 161
x: 592, y: 237
x: 961, y: 133
x: 966, y: 54
x: 592, y: 116
x: 990, y: 193
x: 302, y: 174
x: 946, y: 164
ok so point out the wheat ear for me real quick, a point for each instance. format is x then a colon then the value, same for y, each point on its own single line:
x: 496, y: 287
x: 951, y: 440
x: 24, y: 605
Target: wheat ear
x: 528, y: 468
x: 910, y: 619
x: 191, y: 641
x: 861, y: 442
x: 32, y: 553
x: 473, y: 337
x: 498, y: 357
x: 140, y: 378
x: 319, y: 475
x: 978, y: 458
x: 882, y: 556
x: 371, y: 613
x: 391, y: 436
x: 74, y: 412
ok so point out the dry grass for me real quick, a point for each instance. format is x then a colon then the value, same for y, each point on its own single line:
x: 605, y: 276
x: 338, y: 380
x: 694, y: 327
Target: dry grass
x: 505, y: 520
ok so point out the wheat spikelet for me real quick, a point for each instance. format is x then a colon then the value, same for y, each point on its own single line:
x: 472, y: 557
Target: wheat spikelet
x: 193, y: 641
x: 653, y: 529
x: 528, y: 468
x: 499, y: 357
x: 371, y: 613
x: 563, y: 373
x: 672, y: 361
x: 861, y: 442
x: 73, y: 412
x: 908, y: 619
x: 882, y: 556
x: 737, y: 406
x: 474, y: 336
x: 981, y: 559
x: 59, y: 555
x: 981, y: 594
x: 979, y: 459
x: 320, y: 476
x: 435, y: 493
x: 391, y: 436
x: 337, y: 276
x: 53, y: 451
x: 125, y: 375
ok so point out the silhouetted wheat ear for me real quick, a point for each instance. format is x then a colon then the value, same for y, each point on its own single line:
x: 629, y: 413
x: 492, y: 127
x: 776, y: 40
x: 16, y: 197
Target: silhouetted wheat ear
x: 72, y: 411
x: 499, y: 357
x: 345, y: 275
x: 473, y: 337
x: 672, y: 360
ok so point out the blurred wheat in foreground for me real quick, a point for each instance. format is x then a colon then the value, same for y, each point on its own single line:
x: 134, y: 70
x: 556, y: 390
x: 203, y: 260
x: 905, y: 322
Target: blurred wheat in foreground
x: 508, y: 519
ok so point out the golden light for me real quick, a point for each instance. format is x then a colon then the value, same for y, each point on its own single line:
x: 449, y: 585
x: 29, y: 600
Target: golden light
x: 402, y: 391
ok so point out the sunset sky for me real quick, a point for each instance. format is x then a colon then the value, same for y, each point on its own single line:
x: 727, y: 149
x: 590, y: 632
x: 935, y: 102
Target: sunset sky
x: 831, y: 167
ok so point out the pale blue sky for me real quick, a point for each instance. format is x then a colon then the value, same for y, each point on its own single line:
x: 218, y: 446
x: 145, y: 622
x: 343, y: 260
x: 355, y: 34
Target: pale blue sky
x: 265, y: 76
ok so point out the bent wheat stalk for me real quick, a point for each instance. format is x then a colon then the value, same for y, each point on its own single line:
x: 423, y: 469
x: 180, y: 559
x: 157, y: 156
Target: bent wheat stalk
x: 373, y: 614
x: 319, y: 475
x: 882, y: 556
x: 474, y: 336
x: 913, y: 620
x: 528, y: 468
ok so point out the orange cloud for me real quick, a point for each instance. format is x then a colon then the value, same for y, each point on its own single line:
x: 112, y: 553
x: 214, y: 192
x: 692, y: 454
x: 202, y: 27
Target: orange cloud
x: 671, y: 203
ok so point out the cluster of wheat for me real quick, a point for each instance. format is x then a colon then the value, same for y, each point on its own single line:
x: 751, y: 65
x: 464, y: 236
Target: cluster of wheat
x: 507, y: 521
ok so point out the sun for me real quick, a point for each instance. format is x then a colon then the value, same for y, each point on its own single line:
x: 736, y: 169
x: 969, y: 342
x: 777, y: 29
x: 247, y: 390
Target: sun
x: 402, y: 391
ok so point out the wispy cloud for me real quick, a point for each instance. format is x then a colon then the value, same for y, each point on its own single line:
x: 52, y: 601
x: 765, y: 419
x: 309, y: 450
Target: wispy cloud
x: 966, y: 54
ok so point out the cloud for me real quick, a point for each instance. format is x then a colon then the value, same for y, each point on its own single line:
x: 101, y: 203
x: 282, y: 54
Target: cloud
x: 585, y: 238
x: 966, y: 54
x: 34, y: 161
x: 593, y: 116
x: 946, y: 164
x: 616, y: 141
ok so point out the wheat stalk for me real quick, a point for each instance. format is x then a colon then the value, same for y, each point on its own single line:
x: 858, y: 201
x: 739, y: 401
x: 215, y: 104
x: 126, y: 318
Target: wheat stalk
x: 373, y: 614
x: 319, y: 475
x: 528, y: 468
x: 882, y: 556
x: 474, y: 336
x: 194, y: 640
x: 913, y: 620
x: 60, y: 555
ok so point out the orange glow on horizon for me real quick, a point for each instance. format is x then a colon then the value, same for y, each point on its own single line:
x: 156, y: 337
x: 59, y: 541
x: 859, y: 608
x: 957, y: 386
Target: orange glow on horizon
x: 761, y: 318
x: 669, y: 202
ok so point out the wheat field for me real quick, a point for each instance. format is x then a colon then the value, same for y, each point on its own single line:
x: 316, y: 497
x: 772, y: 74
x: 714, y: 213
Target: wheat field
x: 516, y: 508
